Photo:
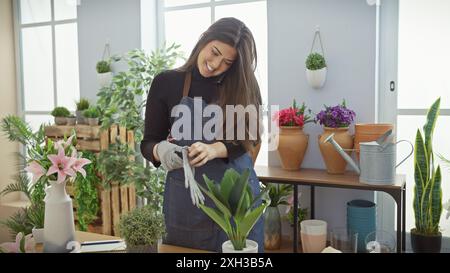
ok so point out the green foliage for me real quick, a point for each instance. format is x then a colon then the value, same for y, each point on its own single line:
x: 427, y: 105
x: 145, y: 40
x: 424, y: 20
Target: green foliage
x: 122, y: 103
x: 303, y: 111
x: 315, y: 61
x: 427, y: 201
x: 142, y: 226
x: 103, y: 67
x: 114, y: 164
x: 60, y: 112
x: 86, y: 195
x: 149, y: 183
x: 278, y: 193
x: 302, y: 213
x: 236, y: 210
x: 91, y: 112
x: 82, y: 104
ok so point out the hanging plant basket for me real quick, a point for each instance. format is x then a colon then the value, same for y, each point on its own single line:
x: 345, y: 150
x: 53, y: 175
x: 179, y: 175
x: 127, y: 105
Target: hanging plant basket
x: 316, y: 78
x: 316, y: 66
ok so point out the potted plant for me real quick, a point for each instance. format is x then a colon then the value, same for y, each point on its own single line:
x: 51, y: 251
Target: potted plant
x: 60, y: 114
x: 104, y: 74
x: 316, y: 70
x: 92, y: 114
x: 22, y: 244
x: 302, y: 214
x: 427, y: 203
x: 71, y: 120
x: 278, y: 194
x: 236, y: 209
x: 293, y: 142
x: 141, y: 229
x: 335, y: 120
x: 82, y: 104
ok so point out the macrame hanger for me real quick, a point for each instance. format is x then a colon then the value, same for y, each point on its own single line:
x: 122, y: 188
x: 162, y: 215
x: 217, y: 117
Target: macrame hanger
x: 106, y: 52
x: 317, y: 35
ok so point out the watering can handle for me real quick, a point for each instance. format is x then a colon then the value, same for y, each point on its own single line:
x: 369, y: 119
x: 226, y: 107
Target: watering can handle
x: 412, y: 151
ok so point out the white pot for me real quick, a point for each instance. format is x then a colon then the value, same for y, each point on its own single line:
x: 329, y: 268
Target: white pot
x: 104, y: 79
x: 59, y: 227
x: 38, y: 235
x: 252, y: 247
x: 316, y: 78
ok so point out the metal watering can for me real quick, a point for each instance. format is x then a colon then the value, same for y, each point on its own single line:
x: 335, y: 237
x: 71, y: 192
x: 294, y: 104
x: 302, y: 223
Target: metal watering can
x: 377, y: 159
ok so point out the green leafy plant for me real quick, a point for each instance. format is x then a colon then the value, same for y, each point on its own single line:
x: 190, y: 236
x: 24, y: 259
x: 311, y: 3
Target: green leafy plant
x: 302, y: 213
x: 114, y: 164
x: 427, y: 201
x: 142, y: 227
x: 60, y: 112
x: 86, y: 195
x: 91, y: 112
x: 315, y: 61
x: 237, y: 211
x: 121, y: 102
x: 278, y: 193
x: 149, y: 183
x: 103, y: 67
x: 82, y: 104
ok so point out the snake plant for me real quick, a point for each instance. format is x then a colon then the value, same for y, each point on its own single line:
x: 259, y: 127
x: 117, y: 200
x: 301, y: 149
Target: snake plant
x: 427, y: 190
x: 237, y: 211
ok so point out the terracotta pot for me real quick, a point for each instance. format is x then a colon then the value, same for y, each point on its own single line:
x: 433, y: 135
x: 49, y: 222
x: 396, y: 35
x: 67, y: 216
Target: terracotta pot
x: 292, y: 147
x: 366, y: 132
x: 333, y: 160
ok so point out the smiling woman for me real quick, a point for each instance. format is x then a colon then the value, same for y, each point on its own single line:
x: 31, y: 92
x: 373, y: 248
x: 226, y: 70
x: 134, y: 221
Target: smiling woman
x: 221, y: 71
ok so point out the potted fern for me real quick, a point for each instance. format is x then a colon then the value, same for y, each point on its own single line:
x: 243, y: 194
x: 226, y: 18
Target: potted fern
x: 316, y: 70
x: 236, y: 211
x: 427, y: 204
x: 104, y: 74
x: 82, y: 104
x: 60, y: 114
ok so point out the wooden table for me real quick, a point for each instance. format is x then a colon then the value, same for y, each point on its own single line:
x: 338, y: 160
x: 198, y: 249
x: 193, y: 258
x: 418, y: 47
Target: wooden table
x: 162, y: 248
x: 349, y: 180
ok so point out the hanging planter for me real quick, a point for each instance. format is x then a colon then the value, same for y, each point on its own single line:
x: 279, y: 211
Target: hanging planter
x: 103, y: 67
x: 316, y: 67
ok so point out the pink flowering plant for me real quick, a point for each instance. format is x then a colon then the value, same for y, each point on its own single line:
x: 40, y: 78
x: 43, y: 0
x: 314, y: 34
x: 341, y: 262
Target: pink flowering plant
x: 293, y: 116
x: 58, y: 161
x: 23, y: 244
x: 338, y: 116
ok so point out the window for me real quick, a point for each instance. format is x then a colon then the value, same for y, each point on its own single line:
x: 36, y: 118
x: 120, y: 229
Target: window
x: 48, y: 38
x: 183, y: 21
x: 423, y: 77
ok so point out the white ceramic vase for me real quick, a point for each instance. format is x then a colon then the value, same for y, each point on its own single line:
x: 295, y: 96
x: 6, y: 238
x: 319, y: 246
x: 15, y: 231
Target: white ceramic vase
x: 59, y: 227
x: 252, y: 247
x: 316, y: 78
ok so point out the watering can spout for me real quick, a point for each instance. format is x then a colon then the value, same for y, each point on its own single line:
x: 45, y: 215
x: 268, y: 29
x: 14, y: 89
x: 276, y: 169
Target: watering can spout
x: 339, y: 149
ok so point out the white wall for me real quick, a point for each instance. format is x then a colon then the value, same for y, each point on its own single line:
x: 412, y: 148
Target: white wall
x: 348, y: 33
x: 99, y: 22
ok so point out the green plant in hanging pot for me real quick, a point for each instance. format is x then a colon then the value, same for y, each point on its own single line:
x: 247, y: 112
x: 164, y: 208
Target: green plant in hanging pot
x: 104, y: 74
x: 278, y: 194
x: 236, y: 211
x: 316, y: 70
x: 60, y: 114
x: 427, y: 203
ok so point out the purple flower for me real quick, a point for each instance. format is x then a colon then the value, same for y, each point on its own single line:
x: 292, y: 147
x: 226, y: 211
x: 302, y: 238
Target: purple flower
x: 336, y: 116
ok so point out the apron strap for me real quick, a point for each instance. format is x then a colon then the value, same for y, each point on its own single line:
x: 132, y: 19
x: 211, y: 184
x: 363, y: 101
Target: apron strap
x: 187, y: 83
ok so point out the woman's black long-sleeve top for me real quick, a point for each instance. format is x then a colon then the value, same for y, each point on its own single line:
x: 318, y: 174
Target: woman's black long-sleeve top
x: 165, y: 93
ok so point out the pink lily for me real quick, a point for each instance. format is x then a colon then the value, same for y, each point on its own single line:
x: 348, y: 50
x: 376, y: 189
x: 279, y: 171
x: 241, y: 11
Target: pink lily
x: 62, y: 165
x: 79, y: 163
x: 36, y: 170
x: 14, y: 247
x: 63, y: 143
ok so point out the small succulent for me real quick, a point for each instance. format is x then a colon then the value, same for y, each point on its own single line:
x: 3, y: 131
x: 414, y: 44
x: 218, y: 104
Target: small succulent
x: 315, y: 61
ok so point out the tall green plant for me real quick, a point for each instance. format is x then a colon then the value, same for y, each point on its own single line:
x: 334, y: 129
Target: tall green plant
x: 237, y: 211
x: 278, y: 193
x: 427, y: 190
x: 121, y: 103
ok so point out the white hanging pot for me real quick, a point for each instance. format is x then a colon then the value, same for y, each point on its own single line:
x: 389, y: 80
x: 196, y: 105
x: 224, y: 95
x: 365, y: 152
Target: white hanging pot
x: 252, y: 247
x: 316, y: 78
x: 104, y: 79
x: 59, y: 227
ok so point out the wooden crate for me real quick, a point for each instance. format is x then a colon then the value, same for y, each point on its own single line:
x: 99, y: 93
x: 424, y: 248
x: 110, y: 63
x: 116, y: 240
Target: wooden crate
x: 119, y: 199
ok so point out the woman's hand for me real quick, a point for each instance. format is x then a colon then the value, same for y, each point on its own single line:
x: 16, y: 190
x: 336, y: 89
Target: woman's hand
x: 201, y: 153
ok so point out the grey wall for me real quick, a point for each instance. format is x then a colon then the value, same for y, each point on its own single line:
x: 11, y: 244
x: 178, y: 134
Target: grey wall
x: 101, y: 21
x: 348, y: 33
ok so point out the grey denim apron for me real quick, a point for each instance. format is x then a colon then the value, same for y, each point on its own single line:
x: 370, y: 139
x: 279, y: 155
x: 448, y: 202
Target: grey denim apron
x: 187, y: 225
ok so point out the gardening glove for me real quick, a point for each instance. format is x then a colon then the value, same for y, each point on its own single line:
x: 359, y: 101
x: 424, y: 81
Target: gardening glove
x: 168, y: 157
x: 189, y: 182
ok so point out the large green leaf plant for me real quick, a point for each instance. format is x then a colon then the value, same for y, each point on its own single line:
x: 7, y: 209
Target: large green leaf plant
x: 427, y: 190
x: 236, y: 210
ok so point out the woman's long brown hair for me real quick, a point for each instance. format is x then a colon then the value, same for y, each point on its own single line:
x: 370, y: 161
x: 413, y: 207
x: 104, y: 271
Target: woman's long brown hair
x: 238, y: 85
